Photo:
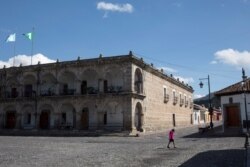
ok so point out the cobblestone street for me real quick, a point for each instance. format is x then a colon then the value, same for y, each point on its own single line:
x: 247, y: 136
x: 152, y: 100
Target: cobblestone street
x: 148, y: 150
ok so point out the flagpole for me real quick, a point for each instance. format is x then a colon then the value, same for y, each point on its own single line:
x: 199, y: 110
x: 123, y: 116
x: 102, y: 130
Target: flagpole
x: 14, y: 52
x: 32, y: 43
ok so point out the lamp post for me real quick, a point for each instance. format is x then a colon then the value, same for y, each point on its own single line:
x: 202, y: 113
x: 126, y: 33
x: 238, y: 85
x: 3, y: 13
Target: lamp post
x: 210, y: 109
x: 244, y: 77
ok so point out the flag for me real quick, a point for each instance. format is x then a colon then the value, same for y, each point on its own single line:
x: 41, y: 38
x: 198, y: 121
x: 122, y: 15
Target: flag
x: 29, y: 35
x: 11, y: 38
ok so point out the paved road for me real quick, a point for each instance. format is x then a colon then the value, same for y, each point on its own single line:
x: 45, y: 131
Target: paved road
x: 149, y: 150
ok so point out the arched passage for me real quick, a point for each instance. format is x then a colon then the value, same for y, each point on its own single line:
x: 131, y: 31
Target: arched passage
x: 138, y: 84
x: 45, y: 118
x: 28, y: 117
x: 138, y: 118
x: 67, y: 82
x: 68, y: 116
x: 29, y: 82
x: 48, y: 85
x: 10, y: 117
x: 85, y: 118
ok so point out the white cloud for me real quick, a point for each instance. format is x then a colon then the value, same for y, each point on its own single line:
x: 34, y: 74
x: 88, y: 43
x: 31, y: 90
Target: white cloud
x: 127, y: 8
x: 26, y: 60
x: 214, y: 62
x: 233, y: 57
x: 185, y: 80
x: 196, y: 96
x: 168, y: 70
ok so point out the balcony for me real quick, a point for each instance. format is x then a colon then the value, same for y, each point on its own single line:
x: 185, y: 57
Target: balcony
x: 68, y: 92
x: 48, y: 92
x: 175, y: 100
x: 91, y: 90
x: 114, y: 89
x: 13, y: 94
x: 29, y: 93
x: 166, y: 98
x: 181, y: 102
x: 186, y: 103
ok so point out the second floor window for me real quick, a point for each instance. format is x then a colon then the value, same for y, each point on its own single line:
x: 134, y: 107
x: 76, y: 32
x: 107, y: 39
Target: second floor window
x: 28, y: 90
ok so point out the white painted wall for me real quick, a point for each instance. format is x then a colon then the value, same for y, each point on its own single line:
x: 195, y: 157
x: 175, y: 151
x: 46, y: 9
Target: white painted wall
x: 239, y: 98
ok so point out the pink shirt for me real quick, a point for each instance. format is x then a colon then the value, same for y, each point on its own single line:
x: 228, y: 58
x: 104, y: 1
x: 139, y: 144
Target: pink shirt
x: 171, y: 135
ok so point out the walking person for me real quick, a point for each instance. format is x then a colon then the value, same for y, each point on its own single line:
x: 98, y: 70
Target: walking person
x: 171, y: 138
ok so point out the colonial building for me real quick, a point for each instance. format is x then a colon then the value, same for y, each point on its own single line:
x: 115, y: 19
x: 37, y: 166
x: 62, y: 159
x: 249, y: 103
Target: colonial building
x: 235, y: 105
x: 117, y: 93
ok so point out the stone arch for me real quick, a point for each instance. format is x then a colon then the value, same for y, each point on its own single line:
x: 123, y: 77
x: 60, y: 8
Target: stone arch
x: 28, y: 116
x: 10, y: 121
x: 88, y: 115
x: 115, y: 78
x: 29, y: 82
x: 89, y: 81
x: 114, y: 115
x: 48, y: 84
x: 139, y: 117
x: 29, y: 79
x: 67, y: 83
x: 67, y: 116
x: 46, y: 116
x: 138, y: 81
x: 12, y: 87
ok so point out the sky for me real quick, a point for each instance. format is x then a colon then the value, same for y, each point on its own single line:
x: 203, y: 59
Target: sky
x: 190, y: 39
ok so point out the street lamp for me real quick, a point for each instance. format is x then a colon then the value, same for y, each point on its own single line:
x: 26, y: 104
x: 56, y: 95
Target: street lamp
x: 244, y: 78
x: 210, y: 109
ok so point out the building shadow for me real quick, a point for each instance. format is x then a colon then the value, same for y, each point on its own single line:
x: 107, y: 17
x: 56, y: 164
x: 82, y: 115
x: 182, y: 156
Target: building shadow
x: 216, y: 132
x: 218, y: 158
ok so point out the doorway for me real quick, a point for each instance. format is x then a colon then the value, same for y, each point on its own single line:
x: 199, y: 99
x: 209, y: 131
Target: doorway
x: 11, y: 120
x: 44, y: 120
x: 85, y: 118
x: 233, y: 116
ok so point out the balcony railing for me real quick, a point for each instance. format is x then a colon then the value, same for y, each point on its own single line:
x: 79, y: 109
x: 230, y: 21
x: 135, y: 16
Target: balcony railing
x: 47, y: 92
x: 114, y: 89
x: 175, y: 100
x: 166, y: 98
x: 181, y: 102
x: 67, y: 92
x: 11, y: 94
x: 186, y: 103
x: 29, y: 93
x: 92, y: 90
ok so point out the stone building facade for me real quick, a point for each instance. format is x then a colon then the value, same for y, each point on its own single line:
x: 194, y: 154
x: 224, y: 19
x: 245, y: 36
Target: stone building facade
x: 114, y: 93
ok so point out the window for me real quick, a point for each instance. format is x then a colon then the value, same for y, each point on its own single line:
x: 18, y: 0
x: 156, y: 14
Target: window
x: 230, y: 100
x: 165, y: 95
x: 29, y: 119
x: 165, y: 92
x: 175, y: 98
x: 105, y: 118
x: 63, y: 118
x: 105, y: 86
x: 84, y: 87
x: 13, y: 92
x: 28, y: 90
x: 65, y: 89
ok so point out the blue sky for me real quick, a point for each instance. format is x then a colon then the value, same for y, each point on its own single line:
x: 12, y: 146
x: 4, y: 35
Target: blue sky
x: 188, y: 38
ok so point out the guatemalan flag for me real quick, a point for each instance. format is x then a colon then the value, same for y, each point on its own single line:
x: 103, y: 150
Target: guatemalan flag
x: 11, y: 38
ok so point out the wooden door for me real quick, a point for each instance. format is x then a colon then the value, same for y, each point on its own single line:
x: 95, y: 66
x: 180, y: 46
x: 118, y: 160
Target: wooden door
x: 44, y: 120
x: 11, y: 120
x: 233, y: 116
x: 85, y: 119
